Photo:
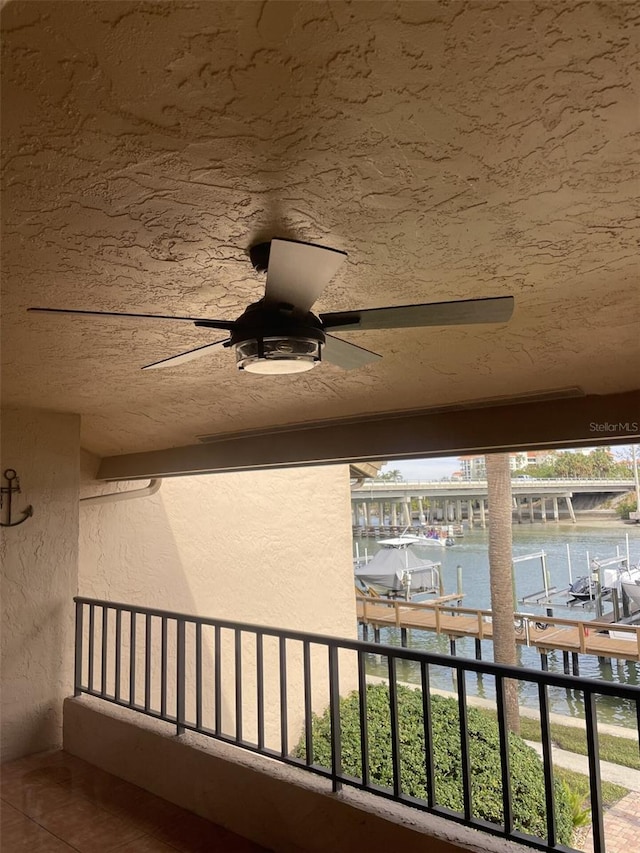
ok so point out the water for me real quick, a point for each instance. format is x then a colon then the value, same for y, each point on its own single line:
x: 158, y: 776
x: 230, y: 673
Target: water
x: 471, y: 552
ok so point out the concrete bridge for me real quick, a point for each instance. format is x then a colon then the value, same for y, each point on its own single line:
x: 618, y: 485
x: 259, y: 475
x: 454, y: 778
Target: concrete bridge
x: 452, y: 500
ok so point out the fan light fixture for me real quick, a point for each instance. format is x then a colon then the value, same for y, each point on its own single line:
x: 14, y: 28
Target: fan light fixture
x: 278, y: 355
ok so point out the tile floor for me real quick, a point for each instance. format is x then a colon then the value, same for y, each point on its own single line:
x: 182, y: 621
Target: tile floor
x: 621, y: 826
x: 55, y: 803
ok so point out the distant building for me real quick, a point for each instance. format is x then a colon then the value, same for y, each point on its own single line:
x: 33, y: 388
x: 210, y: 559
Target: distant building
x: 539, y: 457
x: 473, y: 467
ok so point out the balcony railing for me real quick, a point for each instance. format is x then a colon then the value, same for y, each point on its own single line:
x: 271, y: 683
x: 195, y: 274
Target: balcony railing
x: 257, y: 687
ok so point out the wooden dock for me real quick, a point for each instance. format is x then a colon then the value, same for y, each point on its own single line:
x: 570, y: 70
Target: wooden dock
x: 544, y: 633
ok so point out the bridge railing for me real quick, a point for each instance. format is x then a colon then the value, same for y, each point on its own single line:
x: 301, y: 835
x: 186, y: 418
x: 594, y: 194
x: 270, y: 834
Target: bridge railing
x: 598, y: 482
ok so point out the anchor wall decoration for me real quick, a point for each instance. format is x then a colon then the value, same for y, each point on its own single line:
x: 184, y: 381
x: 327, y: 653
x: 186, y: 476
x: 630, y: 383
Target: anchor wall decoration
x: 9, y: 490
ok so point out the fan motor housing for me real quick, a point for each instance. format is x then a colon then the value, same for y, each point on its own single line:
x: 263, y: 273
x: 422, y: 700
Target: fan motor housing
x: 277, y: 335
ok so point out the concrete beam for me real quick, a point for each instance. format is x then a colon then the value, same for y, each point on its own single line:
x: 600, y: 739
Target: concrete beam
x: 571, y: 422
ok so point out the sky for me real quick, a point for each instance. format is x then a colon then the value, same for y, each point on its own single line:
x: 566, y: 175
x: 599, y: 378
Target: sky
x: 435, y: 469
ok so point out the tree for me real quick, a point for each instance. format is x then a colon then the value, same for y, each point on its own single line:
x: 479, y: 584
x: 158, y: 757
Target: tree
x: 393, y: 476
x: 501, y: 576
x: 598, y: 463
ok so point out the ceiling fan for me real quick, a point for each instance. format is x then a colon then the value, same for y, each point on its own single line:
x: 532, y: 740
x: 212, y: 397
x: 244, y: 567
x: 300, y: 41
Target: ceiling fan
x: 280, y: 334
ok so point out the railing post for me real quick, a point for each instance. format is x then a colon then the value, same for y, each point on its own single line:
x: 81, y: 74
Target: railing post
x: 393, y: 721
x: 334, y: 705
x: 547, y: 760
x: 595, y: 784
x: 77, y: 674
x: 180, y: 675
x: 364, y: 723
x: 284, y: 721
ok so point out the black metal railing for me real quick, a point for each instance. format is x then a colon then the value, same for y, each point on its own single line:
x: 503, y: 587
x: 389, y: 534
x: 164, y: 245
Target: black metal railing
x: 257, y: 687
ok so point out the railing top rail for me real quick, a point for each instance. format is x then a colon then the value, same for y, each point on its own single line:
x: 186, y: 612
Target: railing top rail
x: 570, y: 682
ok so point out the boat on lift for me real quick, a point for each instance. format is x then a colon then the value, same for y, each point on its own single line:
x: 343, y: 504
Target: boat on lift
x: 607, y: 575
x: 632, y: 590
x: 396, y: 571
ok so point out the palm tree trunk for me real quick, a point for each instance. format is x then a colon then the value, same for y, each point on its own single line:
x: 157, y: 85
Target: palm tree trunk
x: 501, y: 577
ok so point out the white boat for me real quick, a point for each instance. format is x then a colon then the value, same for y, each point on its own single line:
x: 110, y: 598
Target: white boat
x: 441, y: 537
x: 395, y: 570
x: 632, y: 589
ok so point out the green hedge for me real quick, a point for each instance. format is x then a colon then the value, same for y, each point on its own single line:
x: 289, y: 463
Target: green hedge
x: 527, y: 779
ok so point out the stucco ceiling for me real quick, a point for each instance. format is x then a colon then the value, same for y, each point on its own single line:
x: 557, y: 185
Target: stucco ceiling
x: 454, y: 150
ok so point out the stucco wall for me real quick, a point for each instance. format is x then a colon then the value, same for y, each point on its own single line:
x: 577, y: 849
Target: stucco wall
x: 270, y: 548
x: 39, y: 578
x: 282, y: 808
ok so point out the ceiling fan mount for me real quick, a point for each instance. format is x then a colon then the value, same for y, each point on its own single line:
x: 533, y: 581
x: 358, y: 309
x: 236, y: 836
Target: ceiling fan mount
x: 259, y: 256
x: 280, y: 334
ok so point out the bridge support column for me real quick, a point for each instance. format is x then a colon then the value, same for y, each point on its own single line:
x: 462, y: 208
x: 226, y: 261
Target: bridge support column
x: 446, y: 511
x: 394, y: 514
x: 365, y: 513
x: 406, y: 506
x: 531, y: 511
x: 519, y: 509
x: 543, y: 507
x: 459, y: 511
x: 556, y: 514
x: 570, y: 508
x: 483, y: 518
x: 421, y: 517
x: 470, y: 513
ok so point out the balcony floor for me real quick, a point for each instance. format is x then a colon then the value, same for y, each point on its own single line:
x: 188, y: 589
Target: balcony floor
x: 55, y: 803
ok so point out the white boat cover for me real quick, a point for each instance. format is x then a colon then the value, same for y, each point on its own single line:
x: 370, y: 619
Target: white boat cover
x: 389, y: 568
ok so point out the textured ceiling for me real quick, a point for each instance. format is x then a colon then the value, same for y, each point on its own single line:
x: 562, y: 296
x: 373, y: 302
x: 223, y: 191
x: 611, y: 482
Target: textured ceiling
x: 454, y: 150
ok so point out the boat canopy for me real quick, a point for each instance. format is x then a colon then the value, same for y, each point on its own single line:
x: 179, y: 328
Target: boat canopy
x: 390, y: 568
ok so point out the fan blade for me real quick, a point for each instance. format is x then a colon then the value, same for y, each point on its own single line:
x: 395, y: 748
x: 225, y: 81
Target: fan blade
x: 299, y: 272
x: 493, y: 310
x: 212, y: 324
x: 346, y: 355
x: 190, y: 355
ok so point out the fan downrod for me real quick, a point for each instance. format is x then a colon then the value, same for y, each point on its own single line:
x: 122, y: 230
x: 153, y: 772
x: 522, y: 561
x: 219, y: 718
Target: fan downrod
x: 259, y: 255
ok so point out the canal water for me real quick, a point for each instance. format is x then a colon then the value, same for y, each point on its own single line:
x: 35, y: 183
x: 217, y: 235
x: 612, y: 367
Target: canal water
x: 602, y: 540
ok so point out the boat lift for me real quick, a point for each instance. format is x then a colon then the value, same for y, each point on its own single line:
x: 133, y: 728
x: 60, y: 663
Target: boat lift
x: 605, y: 587
x: 543, y: 596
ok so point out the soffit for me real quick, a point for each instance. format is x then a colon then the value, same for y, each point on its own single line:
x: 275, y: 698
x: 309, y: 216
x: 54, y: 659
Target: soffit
x: 453, y: 150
